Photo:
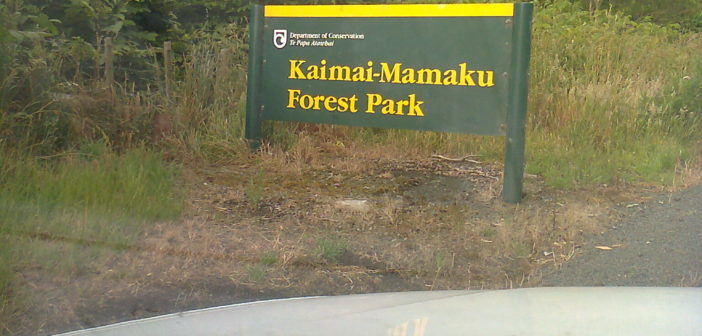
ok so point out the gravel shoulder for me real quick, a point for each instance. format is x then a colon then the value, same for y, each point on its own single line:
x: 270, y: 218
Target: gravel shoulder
x: 658, y: 243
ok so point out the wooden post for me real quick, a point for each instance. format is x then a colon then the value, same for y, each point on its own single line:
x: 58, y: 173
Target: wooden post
x: 109, y: 63
x: 167, y: 66
x: 253, y: 102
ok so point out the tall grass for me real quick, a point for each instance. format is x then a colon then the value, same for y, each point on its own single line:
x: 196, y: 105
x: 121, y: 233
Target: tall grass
x: 208, y: 109
x: 601, y: 108
x: 58, y: 214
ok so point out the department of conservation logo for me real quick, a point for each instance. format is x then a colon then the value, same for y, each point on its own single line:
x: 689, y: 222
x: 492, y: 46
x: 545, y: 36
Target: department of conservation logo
x: 280, y: 38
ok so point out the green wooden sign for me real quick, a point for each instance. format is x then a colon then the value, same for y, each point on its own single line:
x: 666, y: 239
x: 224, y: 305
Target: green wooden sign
x: 449, y: 68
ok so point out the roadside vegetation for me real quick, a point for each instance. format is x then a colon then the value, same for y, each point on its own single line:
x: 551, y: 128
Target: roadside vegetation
x: 88, y: 169
x: 65, y: 216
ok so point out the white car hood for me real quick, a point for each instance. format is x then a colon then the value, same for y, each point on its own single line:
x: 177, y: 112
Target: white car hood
x: 530, y: 311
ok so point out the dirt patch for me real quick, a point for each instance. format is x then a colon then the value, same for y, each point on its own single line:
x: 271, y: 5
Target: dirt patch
x: 160, y: 299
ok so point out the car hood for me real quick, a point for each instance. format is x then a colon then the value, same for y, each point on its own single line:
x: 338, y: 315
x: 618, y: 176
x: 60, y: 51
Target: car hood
x: 530, y: 311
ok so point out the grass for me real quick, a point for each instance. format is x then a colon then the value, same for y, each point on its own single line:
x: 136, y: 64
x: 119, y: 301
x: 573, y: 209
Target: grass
x: 254, y: 190
x: 133, y: 185
x: 330, y: 248
x: 598, y: 115
x: 58, y: 214
x: 259, y: 271
x: 270, y: 258
x: 488, y: 232
x: 256, y: 273
x: 574, y: 165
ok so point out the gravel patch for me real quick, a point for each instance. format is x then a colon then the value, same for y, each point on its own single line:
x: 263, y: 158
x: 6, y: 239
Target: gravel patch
x: 659, y: 243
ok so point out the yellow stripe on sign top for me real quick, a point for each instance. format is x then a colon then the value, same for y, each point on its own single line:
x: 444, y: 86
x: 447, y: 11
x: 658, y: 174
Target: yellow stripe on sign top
x: 414, y: 10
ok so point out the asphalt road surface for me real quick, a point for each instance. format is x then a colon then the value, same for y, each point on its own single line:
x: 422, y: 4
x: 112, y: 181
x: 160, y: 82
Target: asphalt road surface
x: 659, y: 243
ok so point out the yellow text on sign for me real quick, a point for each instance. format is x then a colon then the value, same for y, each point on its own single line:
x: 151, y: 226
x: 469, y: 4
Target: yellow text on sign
x: 396, y: 73
x: 330, y: 103
x: 389, y: 106
x: 374, y: 103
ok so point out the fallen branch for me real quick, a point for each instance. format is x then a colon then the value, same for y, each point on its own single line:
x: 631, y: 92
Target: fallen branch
x: 465, y: 158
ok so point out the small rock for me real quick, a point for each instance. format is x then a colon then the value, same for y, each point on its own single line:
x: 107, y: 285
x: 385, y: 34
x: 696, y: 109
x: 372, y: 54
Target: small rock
x: 354, y: 205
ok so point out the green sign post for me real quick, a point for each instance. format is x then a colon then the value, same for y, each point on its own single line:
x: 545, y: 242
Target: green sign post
x: 449, y: 68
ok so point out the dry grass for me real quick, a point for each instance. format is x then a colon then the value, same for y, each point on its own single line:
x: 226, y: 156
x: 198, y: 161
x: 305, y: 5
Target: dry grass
x: 430, y: 224
x: 693, y: 280
x: 688, y: 173
x: 405, y: 232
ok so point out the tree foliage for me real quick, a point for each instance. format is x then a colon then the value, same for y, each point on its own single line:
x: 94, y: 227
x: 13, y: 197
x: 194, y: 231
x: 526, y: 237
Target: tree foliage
x: 685, y: 14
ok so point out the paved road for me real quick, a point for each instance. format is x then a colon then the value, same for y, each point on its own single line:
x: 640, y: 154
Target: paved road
x: 661, y: 245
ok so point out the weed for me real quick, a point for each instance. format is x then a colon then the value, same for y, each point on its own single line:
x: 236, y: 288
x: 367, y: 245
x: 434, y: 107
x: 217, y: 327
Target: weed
x: 269, y: 258
x: 280, y: 134
x: 488, y: 232
x: 440, y: 260
x: 256, y: 273
x: 254, y: 190
x: 521, y: 250
x: 330, y: 248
